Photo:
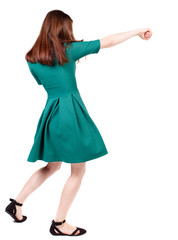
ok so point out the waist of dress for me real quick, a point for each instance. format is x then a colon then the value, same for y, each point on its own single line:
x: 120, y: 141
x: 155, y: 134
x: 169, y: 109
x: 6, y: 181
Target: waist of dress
x: 55, y: 93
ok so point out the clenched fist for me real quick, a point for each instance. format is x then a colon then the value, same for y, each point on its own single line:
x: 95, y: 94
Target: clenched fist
x: 145, y: 33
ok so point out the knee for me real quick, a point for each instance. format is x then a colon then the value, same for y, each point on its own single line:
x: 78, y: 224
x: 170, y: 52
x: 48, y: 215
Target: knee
x: 78, y: 172
x: 53, y: 166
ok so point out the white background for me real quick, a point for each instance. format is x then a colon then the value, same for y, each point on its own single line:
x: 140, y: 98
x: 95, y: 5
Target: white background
x: 130, y: 91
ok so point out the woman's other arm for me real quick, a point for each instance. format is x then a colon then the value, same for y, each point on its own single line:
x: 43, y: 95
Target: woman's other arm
x: 114, y: 39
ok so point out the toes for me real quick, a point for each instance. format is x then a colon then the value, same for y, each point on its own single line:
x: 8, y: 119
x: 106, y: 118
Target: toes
x: 77, y: 232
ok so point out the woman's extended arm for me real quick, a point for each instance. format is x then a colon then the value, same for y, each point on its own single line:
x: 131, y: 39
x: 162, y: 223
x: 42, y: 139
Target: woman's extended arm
x: 114, y: 39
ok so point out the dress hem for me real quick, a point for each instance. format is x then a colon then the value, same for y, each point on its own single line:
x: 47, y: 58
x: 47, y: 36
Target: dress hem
x: 74, y: 161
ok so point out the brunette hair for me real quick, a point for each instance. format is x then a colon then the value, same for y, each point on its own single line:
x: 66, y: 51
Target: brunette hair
x: 55, y: 31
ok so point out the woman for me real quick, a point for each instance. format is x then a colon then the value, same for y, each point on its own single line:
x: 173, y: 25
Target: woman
x: 65, y: 131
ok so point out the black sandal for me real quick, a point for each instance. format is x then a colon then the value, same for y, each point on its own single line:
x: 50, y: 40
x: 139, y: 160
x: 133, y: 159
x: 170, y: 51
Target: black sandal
x: 53, y: 228
x: 11, y: 210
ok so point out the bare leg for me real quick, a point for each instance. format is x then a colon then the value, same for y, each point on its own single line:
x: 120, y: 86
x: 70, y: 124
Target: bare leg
x: 68, y: 194
x: 34, y: 182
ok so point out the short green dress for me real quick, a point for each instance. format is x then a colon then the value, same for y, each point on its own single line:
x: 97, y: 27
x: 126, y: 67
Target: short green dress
x: 65, y: 131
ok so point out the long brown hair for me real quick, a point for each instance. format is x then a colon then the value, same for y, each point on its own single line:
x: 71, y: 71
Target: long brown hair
x: 55, y: 31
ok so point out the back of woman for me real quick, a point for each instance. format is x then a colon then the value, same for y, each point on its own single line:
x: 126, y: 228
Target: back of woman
x: 61, y: 80
x: 70, y: 133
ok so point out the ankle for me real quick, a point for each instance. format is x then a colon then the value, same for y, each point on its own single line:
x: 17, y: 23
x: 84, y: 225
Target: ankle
x: 60, y: 220
x: 19, y: 201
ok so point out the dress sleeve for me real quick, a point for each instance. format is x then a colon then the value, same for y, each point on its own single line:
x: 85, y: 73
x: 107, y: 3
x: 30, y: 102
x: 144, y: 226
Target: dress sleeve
x: 34, y: 75
x: 84, y: 48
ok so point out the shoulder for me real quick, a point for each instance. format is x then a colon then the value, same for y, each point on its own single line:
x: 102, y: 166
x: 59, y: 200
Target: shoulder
x: 89, y: 45
x: 80, y: 49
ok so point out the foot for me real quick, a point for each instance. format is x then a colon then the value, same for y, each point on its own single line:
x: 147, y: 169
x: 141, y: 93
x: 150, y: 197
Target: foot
x: 19, y: 212
x: 66, y: 228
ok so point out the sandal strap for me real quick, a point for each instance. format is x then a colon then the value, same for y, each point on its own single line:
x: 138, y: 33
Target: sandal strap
x: 75, y: 231
x: 17, y: 203
x: 58, y: 223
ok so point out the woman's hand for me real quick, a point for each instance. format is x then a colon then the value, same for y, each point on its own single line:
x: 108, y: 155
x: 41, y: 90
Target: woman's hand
x: 145, y: 33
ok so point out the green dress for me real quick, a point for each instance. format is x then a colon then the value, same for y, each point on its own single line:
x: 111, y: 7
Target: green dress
x: 65, y: 131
